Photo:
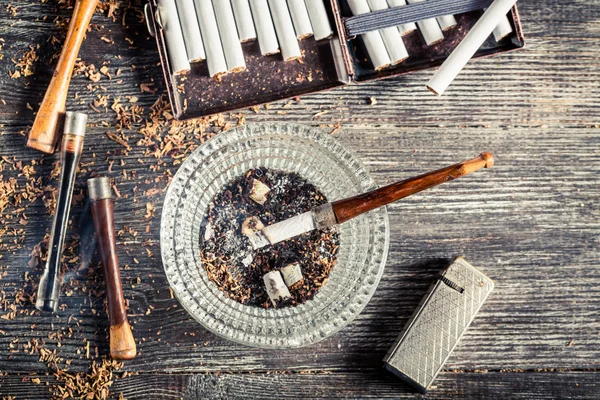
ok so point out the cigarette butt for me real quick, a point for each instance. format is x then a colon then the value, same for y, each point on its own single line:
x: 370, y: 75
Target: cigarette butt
x: 191, y: 30
x: 174, y: 42
x: 391, y: 36
x: 234, y: 55
x: 259, y: 191
x: 276, y: 288
x: 404, y: 29
x: 446, y: 22
x: 372, y: 40
x: 215, y: 58
x: 243, y: 20
x: 290, y: 50
x: 469, y: 45
x: 265, y: 30
x: 430, y: 29
x: 319, y: 19
x: 300, y: 18
x: 503, y: 29
x: 292, y: 275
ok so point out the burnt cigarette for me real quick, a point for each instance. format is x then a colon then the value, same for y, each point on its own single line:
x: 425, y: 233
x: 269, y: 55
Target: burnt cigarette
x: 243, y: 20
x: 169, y: 19
x: 215, y: 57
x: 191, y: 30
x: 72, y: 146
x: 469, y: 45
x: 430, y: 29
x: 292, y: 275
x: 404, y: 29
x: 391, y: 36
x: 372, y: 40
x: 300, y: 18
x: 503, y: 29
x: 319, y: 19
x: 275, y: 286
x: 290, y: 50
x: 265, y: 30
x: 259, y: 191
x: 234, y: 55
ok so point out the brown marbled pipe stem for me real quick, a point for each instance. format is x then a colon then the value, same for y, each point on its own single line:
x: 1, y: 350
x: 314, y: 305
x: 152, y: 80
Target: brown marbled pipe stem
x: 349, y: 208
x: 122, y: 343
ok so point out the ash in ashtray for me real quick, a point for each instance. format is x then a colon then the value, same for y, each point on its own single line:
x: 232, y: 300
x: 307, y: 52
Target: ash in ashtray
x: 227, y: 255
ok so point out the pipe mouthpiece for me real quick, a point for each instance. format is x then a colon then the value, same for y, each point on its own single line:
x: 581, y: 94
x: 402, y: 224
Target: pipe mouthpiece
x: 47, y: 305
x: 75, y: 123
x: 488, y: 158
x: 99, y: 188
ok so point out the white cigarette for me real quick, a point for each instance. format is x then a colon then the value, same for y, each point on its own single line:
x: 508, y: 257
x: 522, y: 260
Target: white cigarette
x: 290, y: 50
x: 275, y: 287
x: 267, y: 39
x: 173, y: 37
x: 404, y: 29
x: 430, y: 29
x: 372, y: 40
x: 234, y: 55
x: 319, y: 19
x: 391, y: 36
x: 503, y: 29
x: 215, y: 58
x: 446, y: 21
x: 290, y: 227
x: 300, y: 17
x: 191, y: 30
x: 243, y: 20
x: 469, y: 45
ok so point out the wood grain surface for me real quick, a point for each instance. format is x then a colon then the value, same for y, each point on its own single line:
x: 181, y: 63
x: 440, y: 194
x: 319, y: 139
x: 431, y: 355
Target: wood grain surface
x: 532, y: 222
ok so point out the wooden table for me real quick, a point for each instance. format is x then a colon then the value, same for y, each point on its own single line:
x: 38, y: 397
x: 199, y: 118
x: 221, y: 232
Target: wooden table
x: 531, y: 223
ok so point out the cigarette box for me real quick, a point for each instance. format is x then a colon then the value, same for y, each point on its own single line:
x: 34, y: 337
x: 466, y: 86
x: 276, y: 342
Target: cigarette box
x: 438, y: 324
x: 325, y: 64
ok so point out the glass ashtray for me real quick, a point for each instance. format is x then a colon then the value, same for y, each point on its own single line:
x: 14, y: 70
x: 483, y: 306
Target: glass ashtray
x: 321, y: 160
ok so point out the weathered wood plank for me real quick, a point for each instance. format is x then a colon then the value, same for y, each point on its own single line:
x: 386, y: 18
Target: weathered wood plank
x: 316, y: 385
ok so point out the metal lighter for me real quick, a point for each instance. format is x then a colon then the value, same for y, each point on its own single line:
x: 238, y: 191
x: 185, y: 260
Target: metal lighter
x: 438, y: 324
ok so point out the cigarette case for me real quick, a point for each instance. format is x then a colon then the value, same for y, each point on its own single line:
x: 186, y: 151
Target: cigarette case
x: 438, y: 324
x: 325, y: 64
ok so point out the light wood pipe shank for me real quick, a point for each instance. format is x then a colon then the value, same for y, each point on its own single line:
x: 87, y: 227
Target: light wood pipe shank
x: 122, y: 343
x: 45, y: 131
x: 349, y: 208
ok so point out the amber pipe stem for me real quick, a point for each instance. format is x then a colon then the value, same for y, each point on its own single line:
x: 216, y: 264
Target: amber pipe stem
x: 45, y: 130
x: 122, y: 343
x: 354, y: 206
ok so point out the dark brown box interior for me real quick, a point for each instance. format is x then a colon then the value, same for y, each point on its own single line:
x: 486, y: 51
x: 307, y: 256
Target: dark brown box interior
x: 269, y: 78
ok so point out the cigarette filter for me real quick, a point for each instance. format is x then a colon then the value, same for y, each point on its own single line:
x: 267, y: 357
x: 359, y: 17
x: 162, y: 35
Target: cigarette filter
x: 430, y: 29
x: 173, y: 37
x: 285, y: 30
x: 234, y: 55
x: 391, y: 36
x: 300, y: 18
x: 438, y: 324
x: 243, y: 20
x: 372, y: 40
x: 265, y: 30
x: 215, y: 58
x: 191, y: 30
x: 469, y: 45
x: 319, y: 19
x: 404, y: 29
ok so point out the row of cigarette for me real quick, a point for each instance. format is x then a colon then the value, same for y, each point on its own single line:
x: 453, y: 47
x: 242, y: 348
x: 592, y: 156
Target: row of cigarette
x: 213, y: 30
x: 386, y: 47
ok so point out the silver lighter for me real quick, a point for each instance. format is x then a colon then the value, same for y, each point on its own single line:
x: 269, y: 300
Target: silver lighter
x: 438, y: 324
